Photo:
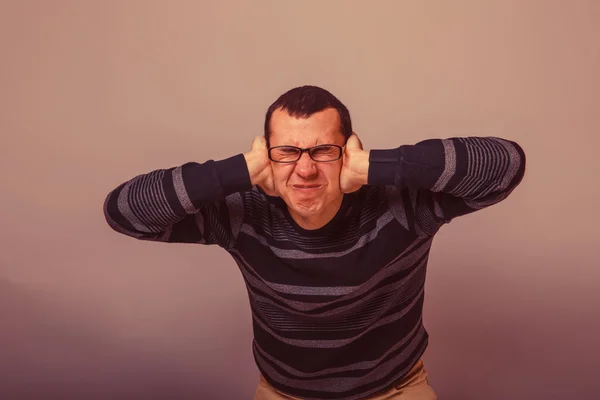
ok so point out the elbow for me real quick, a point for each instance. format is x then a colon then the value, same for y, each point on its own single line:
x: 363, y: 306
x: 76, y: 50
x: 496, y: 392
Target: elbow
x: 519, y: 162
x: 120, y: 224
x: 113, y: 217
x: 111, y: 214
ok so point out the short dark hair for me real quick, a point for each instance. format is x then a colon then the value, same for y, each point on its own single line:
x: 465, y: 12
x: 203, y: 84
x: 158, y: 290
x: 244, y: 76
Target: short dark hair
x: 303, y: 101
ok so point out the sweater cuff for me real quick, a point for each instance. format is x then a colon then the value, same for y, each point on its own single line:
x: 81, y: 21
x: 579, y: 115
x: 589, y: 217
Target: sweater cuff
x: 382, y: 167
x: 233, y: 174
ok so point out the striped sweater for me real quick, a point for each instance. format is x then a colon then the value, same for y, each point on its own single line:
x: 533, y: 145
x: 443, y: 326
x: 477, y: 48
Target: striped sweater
x: 337, y: 311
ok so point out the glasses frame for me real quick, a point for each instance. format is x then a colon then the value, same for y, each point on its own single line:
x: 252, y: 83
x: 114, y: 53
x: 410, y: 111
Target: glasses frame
x: 307, y: 150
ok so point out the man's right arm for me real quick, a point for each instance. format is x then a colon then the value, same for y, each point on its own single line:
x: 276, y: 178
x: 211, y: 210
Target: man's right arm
x: 185, y: 204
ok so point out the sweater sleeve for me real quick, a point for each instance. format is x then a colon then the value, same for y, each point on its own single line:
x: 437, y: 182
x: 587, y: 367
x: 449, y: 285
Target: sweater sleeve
x: 191, y: 203
x: 440, y: 179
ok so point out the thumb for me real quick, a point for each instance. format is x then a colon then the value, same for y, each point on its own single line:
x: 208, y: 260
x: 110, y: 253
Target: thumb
x: 354, y: 142
x: 259, y: 143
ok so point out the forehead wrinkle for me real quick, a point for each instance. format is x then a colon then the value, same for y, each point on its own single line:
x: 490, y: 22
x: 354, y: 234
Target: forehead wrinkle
x: 301, y: 132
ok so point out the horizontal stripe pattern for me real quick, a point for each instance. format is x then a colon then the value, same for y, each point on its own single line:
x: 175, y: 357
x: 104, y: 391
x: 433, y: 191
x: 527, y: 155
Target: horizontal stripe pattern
x: 337, y: 312
x: 302, y: 346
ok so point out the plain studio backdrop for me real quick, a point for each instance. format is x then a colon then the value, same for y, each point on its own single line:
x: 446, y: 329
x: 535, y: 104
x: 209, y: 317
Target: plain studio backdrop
x: 93, y: 93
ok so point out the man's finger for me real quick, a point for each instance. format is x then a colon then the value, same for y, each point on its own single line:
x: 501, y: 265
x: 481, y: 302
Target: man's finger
x: 354, y: 142
x: 259, y: 143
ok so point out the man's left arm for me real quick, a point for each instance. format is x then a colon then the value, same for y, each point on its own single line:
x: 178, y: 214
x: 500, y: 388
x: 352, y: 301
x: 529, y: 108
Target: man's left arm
x: 450, y: 177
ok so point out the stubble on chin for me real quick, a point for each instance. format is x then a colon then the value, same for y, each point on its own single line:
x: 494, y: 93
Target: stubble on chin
x: 306, y: 206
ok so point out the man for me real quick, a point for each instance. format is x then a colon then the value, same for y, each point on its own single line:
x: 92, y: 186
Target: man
x: 332, y: 240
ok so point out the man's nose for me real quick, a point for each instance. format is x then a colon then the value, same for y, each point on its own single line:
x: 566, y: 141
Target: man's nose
x: 306, y: 167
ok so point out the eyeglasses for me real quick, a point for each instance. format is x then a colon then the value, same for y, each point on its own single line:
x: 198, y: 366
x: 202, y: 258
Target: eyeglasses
x: 291, y: 154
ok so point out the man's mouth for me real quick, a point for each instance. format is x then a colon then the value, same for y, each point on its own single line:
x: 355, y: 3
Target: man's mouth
x: 307, y: 187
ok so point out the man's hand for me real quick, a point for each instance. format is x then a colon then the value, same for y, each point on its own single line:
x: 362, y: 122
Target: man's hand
x: 355, y: 169
x: 259, y: 166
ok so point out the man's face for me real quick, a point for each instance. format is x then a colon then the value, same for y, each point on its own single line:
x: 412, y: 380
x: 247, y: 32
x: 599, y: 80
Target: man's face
x: 310, y: 189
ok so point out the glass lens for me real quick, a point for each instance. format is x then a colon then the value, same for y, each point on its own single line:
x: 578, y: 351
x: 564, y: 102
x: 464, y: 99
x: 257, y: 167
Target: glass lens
x: 325, y: 153
x: 285, y: 154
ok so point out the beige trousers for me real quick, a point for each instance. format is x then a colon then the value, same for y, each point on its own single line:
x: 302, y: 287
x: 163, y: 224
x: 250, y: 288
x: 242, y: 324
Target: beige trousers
x: 414, y: 386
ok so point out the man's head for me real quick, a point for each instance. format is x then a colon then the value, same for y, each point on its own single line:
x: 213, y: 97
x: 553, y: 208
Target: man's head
x: 304, y: 101
x: 305, y: 117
